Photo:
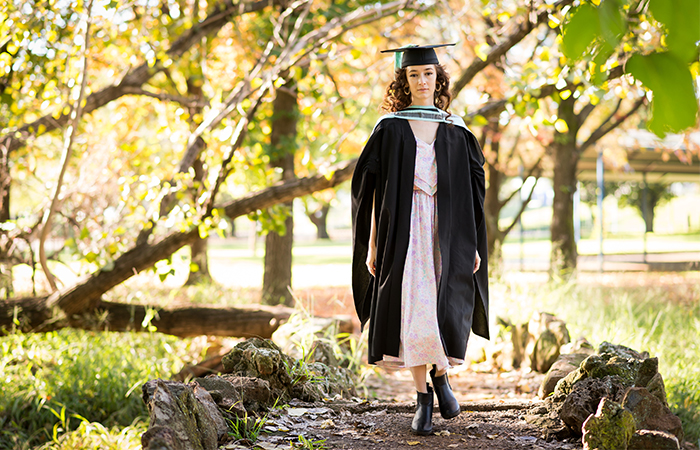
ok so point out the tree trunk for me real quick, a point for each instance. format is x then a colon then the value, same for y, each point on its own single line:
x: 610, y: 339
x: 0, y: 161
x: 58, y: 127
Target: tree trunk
x: 199, y: 262
x: 492, y: 202
x: 564, y: 254
x: 320, y: 219
x: 565, y: 158
x: 6, y: 287
x: 277, y: 278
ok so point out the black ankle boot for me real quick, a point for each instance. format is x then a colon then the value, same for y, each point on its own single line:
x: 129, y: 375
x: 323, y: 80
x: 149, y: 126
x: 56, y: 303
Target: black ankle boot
x: 423, y: 420
x: 449, y: 406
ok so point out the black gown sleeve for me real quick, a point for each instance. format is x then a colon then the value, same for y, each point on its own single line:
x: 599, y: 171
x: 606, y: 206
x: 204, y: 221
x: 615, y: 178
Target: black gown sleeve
x: 480, y: 323
x: 364, y: 181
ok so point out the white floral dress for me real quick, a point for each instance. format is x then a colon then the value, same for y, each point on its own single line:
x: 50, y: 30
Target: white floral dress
x: 420, y: 335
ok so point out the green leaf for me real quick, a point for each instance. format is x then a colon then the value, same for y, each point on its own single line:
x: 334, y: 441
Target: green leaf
x: 91, y: 257
x: 603, y: 53
x: 582, y: 28
x: 612, y: 23
x: 682, y: 21
x: 674, y: 106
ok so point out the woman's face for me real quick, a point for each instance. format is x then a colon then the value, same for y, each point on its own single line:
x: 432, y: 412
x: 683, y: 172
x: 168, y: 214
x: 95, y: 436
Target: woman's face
x: 421, y: 82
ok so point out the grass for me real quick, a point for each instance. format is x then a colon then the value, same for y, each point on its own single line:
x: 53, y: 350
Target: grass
x: 663, y: 320
x: 59, y: 382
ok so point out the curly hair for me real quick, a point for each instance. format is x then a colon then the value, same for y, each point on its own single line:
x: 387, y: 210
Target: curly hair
x: 396, y: 99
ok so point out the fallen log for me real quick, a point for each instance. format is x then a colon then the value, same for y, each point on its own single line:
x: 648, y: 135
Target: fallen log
x: 32, y: 315
x: 239, y: 321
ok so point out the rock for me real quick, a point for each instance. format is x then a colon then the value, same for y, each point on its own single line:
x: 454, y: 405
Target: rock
x: 650, y: 413
x: 656, y: 386
x: 564, y: 365
x: 609, y: 364
x: 287, y: 378
x: 600, y: 366
x: 610, y: 428
x: 178, y: 419
x: 323, y: 352
x: 547, y: 335
x: 653, y: 440
x: 160, y: 438
x: 237, y: 395
x: 649, y: 368
x: 211, y: 408
x: 621, y: 351
x: 585, y: 397
x: 546, y: 351
x: 261, y: 358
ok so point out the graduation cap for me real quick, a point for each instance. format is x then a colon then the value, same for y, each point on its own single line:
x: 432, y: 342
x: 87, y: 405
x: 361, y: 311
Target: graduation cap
x: 415, y: 55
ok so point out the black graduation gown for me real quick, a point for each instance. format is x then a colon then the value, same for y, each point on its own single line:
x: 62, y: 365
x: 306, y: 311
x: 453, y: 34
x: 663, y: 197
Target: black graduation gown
x: 385, y: 172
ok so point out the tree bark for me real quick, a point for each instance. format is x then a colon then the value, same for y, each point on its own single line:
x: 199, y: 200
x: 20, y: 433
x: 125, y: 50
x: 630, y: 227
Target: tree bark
x: 241, y: 321
x: 492, y: 202
x: 277, y: 278
x: 199, y: 262
x: 565, y: 160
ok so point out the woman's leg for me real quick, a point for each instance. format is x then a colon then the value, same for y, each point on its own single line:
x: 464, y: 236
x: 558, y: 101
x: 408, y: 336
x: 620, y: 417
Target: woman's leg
x: 419, y: 378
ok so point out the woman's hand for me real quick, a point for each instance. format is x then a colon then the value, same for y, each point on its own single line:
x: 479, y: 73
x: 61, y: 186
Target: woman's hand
x: 372, y: 260
x: 477, y: 262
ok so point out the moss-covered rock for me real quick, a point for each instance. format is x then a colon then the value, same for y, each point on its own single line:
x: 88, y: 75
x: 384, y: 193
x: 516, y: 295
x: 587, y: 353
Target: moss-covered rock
x: 610, y: 428
x: 288, y: 378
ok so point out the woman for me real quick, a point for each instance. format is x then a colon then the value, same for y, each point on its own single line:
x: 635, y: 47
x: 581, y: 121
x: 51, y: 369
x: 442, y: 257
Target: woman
x: 419, y: 237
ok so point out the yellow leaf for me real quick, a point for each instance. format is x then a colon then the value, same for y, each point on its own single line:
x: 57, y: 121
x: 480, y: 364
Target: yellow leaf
x: 561, y: 126
x: 413, y: 443
x: 482, y: 51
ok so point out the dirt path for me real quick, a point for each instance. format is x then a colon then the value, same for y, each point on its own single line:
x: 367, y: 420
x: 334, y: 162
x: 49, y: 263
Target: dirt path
x: 492, y: 408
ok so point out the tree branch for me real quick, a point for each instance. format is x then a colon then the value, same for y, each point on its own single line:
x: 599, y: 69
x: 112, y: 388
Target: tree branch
x: 77, y: 113
x: 165, y: 97
x: 608, y: 125
x: 86, y: 294
x: 532, y: 170
x: 522, y: 30
x: 522, y: 208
